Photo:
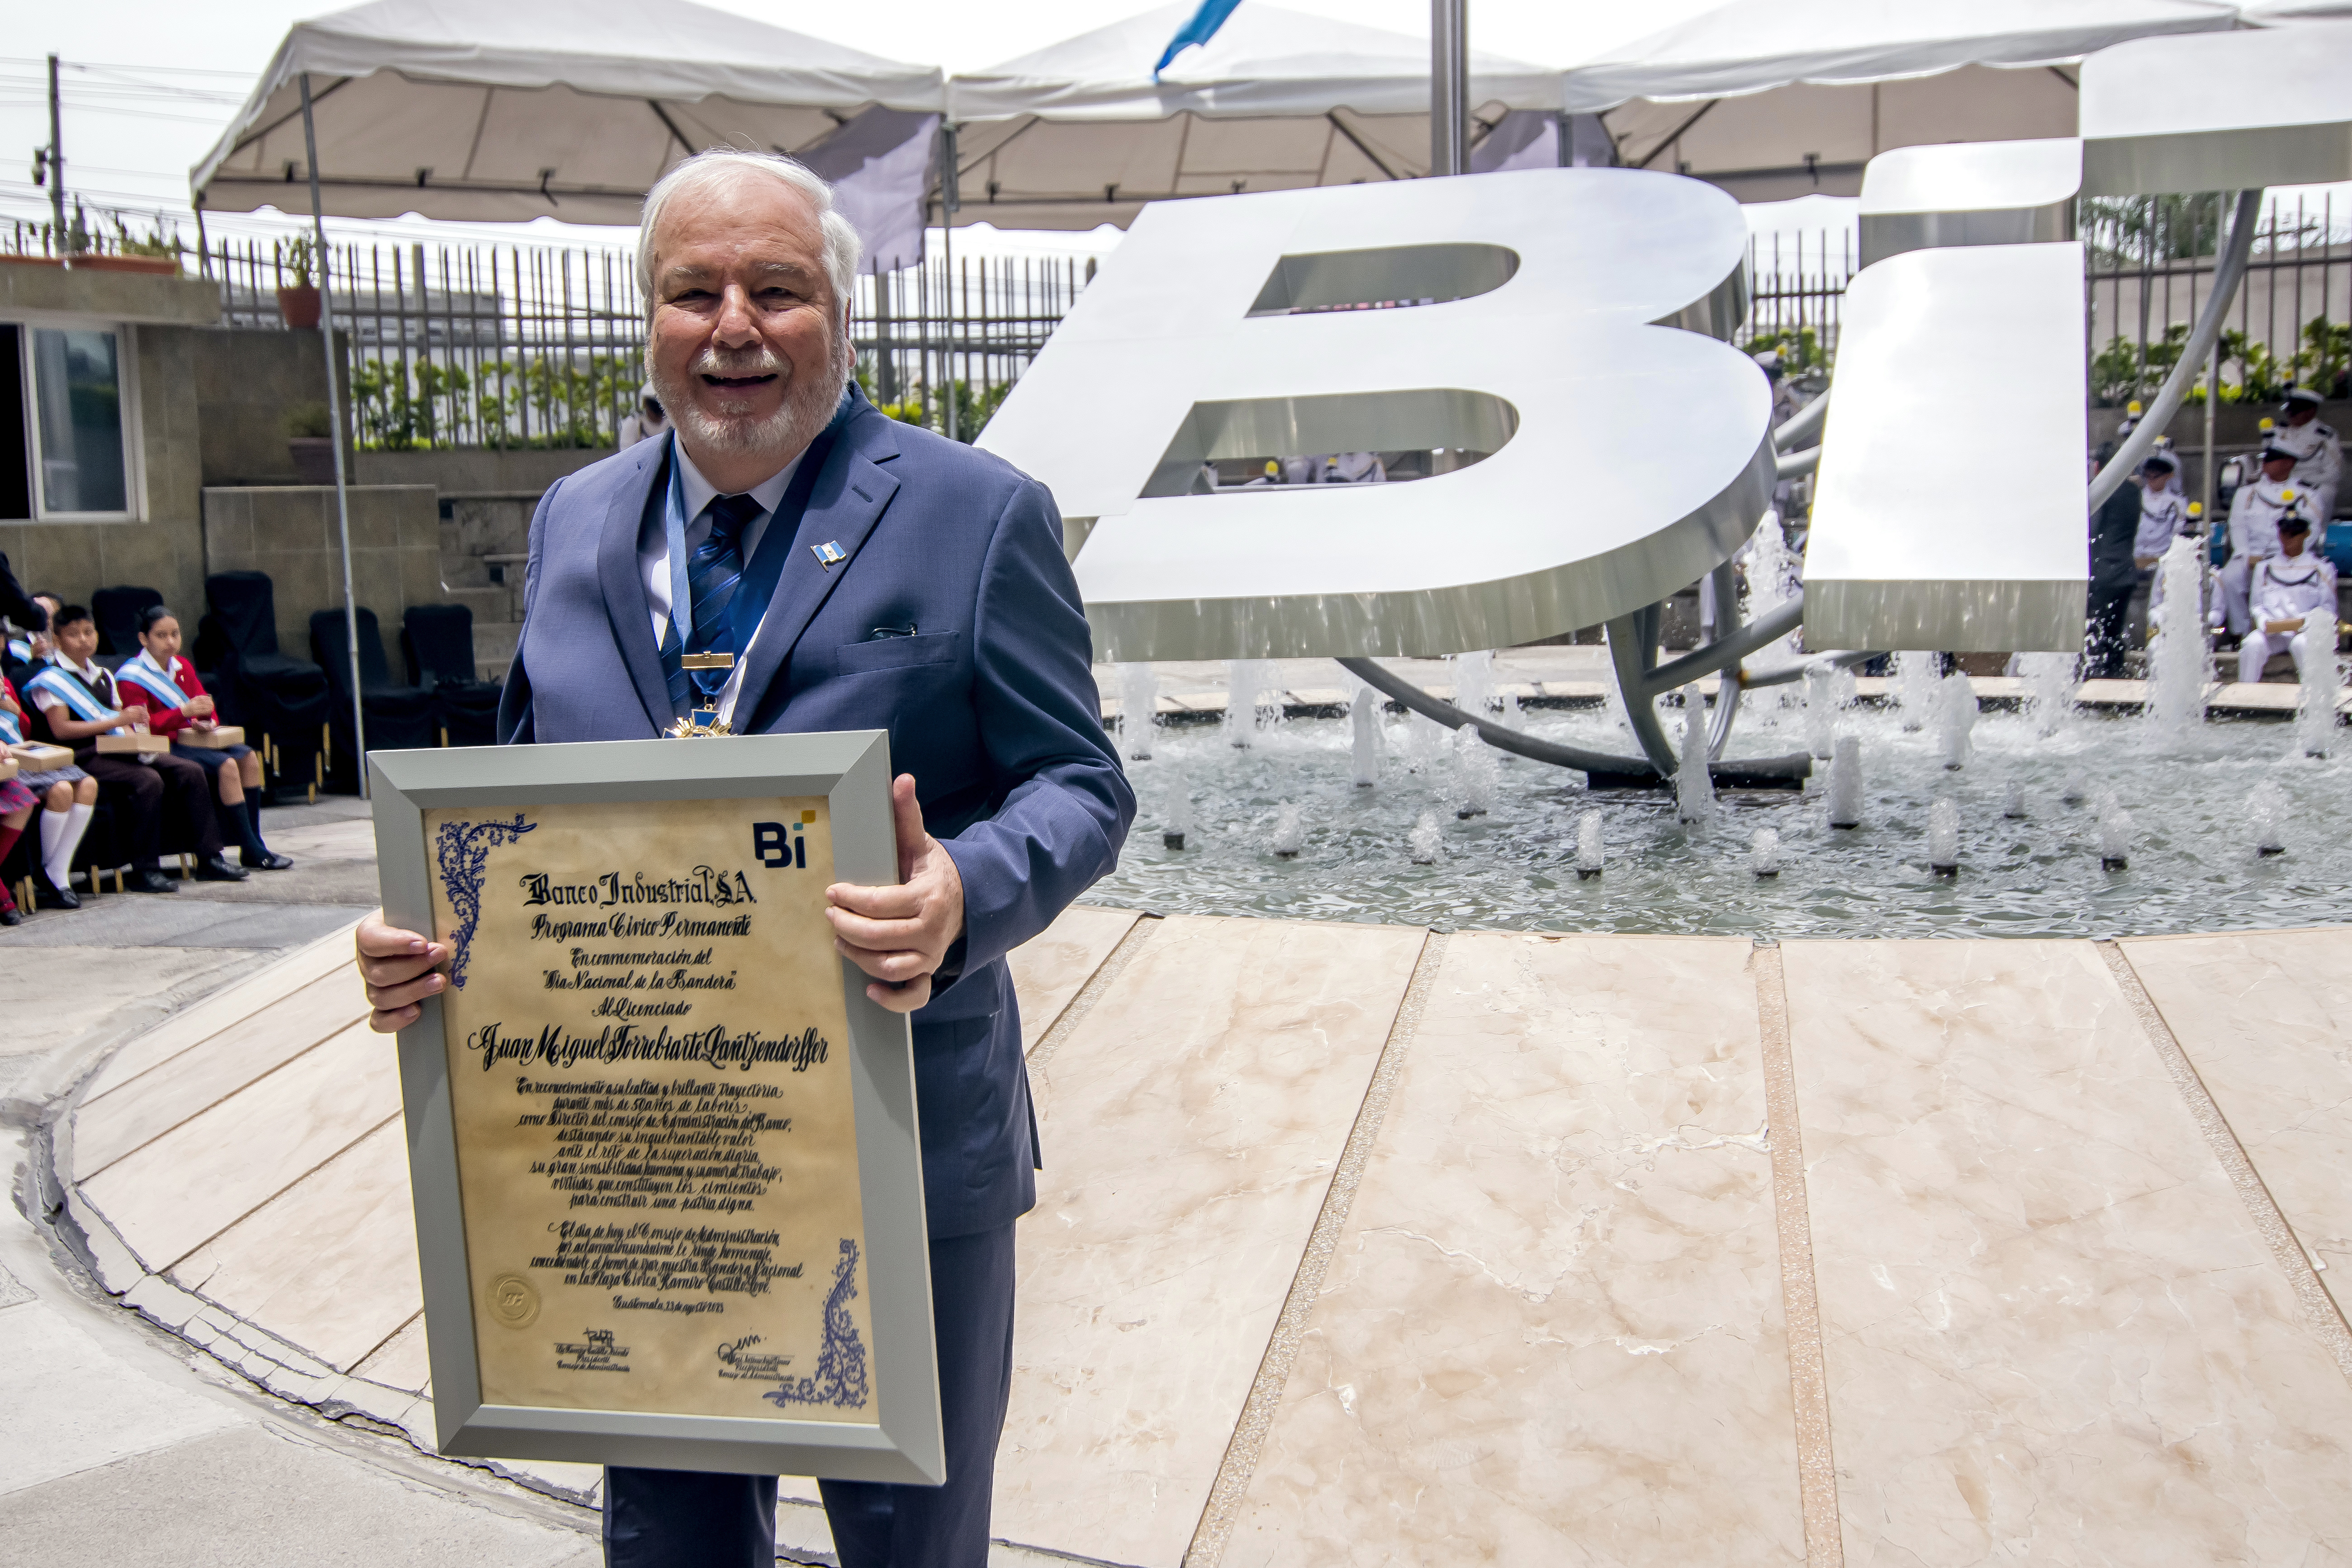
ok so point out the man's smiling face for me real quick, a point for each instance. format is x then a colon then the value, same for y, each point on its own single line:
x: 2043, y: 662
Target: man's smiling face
x: 747, y: 352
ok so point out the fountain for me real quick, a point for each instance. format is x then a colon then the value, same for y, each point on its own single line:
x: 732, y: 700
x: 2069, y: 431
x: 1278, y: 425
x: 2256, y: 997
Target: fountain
x: 1953, y: 706
x: 1694, y: 789
x: 2012, y: 801
x: 2321, y: 683
x: 1912, y: 686
x: 2114, y: 829
x: 2176, y: 659
x: 1290, y: 832
x: 1474, y: 682
x: 2050, y: 687
x: 1364, y: 726
x: 2266, y: 812
x: 1587, y: 846
x: 1177, y: 820
x: 1425, y: 844
x: 1944, y: 838
x: 1764, y: 852
x: 1821, y: 712
x: 1139, y: 709
x: 1475, y: 761
x: 2076, y: 787
x: 1248, y: 682
x: 1846, y: 783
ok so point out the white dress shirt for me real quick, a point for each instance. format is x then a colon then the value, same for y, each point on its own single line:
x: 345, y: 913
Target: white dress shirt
x: 653, y: 551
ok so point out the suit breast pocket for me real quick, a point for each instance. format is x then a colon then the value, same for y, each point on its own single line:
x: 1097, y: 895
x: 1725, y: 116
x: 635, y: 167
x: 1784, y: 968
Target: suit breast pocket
x: 897, y: 653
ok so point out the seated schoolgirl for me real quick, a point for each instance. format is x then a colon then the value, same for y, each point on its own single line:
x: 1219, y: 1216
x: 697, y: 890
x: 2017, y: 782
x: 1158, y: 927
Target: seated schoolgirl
x: 68, y: 799
x: 178, y: 706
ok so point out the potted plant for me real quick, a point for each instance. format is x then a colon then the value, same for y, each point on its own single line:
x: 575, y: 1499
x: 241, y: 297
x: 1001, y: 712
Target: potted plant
x: 158, y: 253
x: 311, y: 442
x: 298, y: 302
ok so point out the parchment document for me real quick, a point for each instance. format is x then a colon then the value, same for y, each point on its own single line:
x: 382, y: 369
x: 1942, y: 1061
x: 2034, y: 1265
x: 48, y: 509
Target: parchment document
x: 649, y: 1073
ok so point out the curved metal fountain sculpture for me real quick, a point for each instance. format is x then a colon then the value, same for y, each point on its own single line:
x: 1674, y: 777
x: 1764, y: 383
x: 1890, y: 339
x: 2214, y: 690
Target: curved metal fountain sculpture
x: 1550, y: 314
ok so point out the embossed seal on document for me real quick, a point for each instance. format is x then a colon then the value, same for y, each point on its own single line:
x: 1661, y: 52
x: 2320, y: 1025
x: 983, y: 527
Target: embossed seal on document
x: 513, y: 1301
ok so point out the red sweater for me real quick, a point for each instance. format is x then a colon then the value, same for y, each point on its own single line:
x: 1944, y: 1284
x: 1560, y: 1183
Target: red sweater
x: 163, y: 721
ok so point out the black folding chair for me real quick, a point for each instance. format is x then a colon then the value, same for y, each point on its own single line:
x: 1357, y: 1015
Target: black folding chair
x: 281, y: 700
x: 116, y: 610
x: 400, y: 717
x: 440, y: 643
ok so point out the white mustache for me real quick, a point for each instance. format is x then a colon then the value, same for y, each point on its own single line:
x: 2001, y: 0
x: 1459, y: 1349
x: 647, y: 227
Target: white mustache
x: 733, y: 364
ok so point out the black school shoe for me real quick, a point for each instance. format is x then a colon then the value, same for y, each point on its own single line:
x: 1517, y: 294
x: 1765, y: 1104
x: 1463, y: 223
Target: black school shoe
x: 268, y: 861
x: 11, y: 916
x: 219, y: 870
x: 139, y: 881
x: 47, y: 895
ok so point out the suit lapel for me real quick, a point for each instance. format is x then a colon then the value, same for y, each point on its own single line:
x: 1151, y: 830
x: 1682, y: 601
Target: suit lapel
x: 625, y: 605
x: 852, y: 491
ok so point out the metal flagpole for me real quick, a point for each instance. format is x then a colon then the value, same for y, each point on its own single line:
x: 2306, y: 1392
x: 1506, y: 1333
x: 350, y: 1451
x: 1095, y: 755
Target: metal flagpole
x: 1449, y: 87
x: 335, y: 423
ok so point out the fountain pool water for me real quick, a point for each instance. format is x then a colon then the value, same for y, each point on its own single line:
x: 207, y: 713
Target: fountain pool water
x: 2193, y: 863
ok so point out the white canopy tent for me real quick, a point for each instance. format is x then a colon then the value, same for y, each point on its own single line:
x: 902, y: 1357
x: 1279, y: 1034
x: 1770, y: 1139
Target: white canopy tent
x: 1777, y: 99
x: 568, y: 109
x: 1078, y: 133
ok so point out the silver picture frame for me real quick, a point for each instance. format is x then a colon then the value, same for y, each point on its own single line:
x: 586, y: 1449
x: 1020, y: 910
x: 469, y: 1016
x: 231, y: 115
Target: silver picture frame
x: 852, y: 770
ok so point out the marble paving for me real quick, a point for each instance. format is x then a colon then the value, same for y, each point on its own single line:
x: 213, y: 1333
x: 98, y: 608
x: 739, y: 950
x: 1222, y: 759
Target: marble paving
x: 1362, y: 1245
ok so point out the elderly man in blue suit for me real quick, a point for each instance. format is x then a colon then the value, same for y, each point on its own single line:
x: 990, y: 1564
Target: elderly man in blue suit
x: 864, y: 575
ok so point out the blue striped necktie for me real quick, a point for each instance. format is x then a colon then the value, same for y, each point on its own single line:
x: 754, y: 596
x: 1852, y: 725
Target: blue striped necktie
x: 712, y: 575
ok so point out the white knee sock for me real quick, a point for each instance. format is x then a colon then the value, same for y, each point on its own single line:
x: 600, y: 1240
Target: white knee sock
x: 61, y: 834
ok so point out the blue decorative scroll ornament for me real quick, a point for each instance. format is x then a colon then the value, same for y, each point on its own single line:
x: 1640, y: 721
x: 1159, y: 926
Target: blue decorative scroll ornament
x: 840, y: 1379
x: 463, y: 850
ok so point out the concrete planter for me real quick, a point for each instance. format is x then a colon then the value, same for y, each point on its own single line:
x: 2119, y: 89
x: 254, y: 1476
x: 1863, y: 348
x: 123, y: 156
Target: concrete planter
x: 299, y: 306
x: 154, y: 265
x: 314, y: 458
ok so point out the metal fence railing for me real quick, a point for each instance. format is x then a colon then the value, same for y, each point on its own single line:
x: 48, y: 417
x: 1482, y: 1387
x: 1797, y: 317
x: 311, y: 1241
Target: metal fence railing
x: 488, y: 345
x: 2150, y: 267
x: 467, y: 344
x: 1796, y: 291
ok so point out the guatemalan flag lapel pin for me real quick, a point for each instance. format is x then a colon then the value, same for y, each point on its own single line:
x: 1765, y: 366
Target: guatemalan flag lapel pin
x: 829, y: 554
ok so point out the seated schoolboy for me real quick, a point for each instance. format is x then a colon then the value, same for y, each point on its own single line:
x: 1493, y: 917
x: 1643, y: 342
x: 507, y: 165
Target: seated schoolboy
x: 79, y: 702
x: 68, y: 799
x: 178, y: 705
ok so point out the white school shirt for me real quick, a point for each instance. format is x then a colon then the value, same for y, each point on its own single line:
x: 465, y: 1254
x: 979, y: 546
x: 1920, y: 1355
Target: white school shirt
x: 653, y: 548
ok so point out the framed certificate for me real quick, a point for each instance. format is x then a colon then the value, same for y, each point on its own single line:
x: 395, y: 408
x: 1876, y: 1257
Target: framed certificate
x: 668, y: 1177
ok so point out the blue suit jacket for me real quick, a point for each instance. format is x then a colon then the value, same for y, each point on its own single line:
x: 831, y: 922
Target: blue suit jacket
x: 991, y: 705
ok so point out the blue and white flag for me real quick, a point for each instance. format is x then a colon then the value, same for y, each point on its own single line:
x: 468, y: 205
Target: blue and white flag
x: 1199, y: 30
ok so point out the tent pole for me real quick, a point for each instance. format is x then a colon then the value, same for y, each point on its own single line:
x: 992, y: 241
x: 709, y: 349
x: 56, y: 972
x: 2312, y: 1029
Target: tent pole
x: 335, y: 423
x: 1449, y: 87
x: 949, y: 170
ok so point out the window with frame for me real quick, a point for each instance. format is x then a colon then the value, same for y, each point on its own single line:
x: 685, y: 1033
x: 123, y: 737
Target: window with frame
x: 65, y: 421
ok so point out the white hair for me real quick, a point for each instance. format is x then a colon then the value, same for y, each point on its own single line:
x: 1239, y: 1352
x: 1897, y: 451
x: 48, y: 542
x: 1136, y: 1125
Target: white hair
x: 720, y: 164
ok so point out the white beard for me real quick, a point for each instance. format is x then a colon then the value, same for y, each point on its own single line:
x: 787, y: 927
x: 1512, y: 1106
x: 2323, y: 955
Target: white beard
x: 809, y: 402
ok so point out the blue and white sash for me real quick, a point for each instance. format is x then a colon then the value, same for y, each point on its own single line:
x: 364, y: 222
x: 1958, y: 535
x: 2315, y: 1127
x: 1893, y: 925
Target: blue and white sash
x: 67, y: 688
x: 144, y: 673
x: 12, y: 732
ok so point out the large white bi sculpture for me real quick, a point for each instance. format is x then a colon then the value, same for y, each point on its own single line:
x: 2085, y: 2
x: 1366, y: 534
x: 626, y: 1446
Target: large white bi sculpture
x: 1623, y: 459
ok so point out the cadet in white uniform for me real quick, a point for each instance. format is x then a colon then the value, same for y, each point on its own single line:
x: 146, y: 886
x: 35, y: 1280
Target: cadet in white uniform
x: 2294, y: 602
x: 2163, y: 509
x: 1355, y: 469
x: 2254, y: 514
x: 2318, y: 454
